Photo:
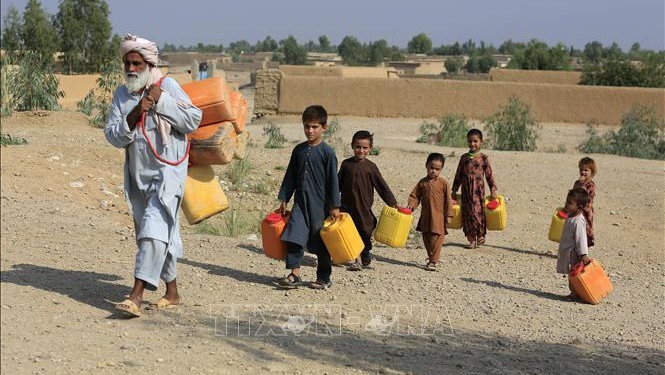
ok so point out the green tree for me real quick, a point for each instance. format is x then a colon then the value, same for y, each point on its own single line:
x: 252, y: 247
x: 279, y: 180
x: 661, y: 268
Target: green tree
x: 622, y: 72
x: 453, y: 65
x: 352, y: 52
x: 324, y: 42
x: 239, y: 47
x: 378, y: 52
x: 11, y: 30
x: 593, y: 51
x: 38, y: 33
x: 613, y: 52
x: 293, y: 53
x: 85, y: 34
x: 537, y: 55
x: 420, y: 43
x: 268, y: 44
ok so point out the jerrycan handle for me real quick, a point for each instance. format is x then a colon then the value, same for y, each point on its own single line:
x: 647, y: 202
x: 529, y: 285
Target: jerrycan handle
x: 493, y: 204
x: 577, y: 269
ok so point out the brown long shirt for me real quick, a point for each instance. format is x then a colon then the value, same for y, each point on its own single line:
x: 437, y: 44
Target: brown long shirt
x: 357, y: 181
x: 434, y: 195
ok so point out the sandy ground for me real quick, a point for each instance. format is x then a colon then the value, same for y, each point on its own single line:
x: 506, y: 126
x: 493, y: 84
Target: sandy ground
x: 68, y: 249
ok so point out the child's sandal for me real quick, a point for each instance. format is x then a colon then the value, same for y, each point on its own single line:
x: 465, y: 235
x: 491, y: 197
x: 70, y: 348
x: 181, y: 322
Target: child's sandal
x: 471, y: 245
x: 320, y: 285
x: 291, y: 281
x: 481, y: 241
x: 430, y: 266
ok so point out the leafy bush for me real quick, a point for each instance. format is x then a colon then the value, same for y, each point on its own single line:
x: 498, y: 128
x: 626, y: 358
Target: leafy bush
x: 6, y: 104
x: 333, y: 135
x: 237, y: 223
x: 32, y: 86
x: 205, y: 227
x: 375, y: 151
x: 8, y: 140
x: 239, y: 171
x: 276, y: 138
x: 640, y: 135
x: 623, y: 72
x: 451, y: 131
x: 98, y: 101
x: 513, y: 127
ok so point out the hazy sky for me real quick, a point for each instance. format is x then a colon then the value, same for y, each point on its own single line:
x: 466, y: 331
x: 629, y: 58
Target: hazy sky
x: 573, y: 22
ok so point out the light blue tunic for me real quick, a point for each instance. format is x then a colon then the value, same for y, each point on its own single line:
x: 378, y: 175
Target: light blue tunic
x: 145, y: 176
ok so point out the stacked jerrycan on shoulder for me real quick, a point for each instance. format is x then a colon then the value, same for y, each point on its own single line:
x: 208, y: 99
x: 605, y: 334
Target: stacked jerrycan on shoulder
x: 215, y: 142
x: 394, y: 226
x: 203, y: 196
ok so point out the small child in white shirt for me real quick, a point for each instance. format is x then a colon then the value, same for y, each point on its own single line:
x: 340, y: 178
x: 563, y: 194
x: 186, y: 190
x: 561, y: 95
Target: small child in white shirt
x: 573, y: 247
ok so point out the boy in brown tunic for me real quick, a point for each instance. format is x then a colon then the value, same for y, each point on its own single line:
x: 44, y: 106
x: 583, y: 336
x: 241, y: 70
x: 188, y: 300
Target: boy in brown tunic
x: 433, y: 192
x: 358, y: 178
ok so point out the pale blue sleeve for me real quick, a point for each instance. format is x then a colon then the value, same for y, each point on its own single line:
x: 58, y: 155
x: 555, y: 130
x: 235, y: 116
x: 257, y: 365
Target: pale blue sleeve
x: 117, y: 130
x: 175, y: 107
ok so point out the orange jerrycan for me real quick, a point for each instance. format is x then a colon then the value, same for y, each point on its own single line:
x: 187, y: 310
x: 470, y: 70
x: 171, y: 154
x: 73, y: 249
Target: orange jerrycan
x: 456, y: 221
x: 212, y: 97
x: 495, y: 212
x: 590, y: 282
x: 238, y: 110
x: 213, y: 144
x: 271, y: 231
x: 394, y: 226
x: 242, y: 140
x: 203, y: 196
x: 556, y: 226
x: 342, y: 239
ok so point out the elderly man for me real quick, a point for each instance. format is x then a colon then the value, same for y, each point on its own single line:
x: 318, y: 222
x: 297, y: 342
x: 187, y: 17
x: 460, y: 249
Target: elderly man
x: 150, y: 117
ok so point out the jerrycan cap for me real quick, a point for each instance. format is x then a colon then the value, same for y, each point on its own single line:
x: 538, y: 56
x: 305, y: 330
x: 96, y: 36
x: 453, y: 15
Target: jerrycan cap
x: 562, y: 214
x: 492, y: 205
x: 274, y: 218
x: 404, y: 210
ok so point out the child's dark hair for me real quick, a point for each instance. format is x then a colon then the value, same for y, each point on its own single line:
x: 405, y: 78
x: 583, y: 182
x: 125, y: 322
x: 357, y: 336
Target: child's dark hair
x: 363, y: 134
x: 475, y: 132
x: 588, y: 162
x: 579, y: 196
x: 315, y: 113
x: 434, y: 156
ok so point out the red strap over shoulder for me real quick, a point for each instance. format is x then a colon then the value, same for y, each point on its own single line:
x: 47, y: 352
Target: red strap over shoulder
x: 141, y: 124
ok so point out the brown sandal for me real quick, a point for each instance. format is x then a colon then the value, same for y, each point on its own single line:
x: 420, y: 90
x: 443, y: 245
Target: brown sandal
x: 291, y: 281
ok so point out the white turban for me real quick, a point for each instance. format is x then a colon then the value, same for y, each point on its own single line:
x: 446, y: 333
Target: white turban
x: 144, y: 47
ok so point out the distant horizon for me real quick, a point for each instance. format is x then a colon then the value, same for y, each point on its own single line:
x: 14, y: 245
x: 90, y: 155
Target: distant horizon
x: 573, y: 23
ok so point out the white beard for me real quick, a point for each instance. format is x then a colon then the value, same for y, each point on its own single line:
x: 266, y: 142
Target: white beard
x: 136, y: 82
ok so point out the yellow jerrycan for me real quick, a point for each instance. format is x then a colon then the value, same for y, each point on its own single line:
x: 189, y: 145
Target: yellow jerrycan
x: 203, y: 195
x: 342, y: 239
x: 394, y: 226
x: 556, y: 226
x: 456, y: 221
x: 495, y: 213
